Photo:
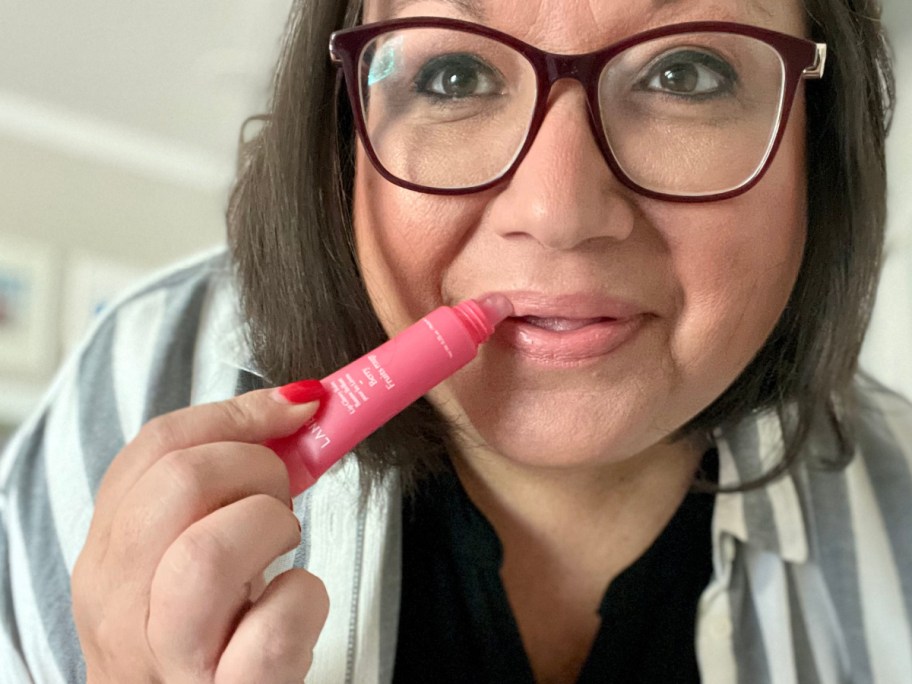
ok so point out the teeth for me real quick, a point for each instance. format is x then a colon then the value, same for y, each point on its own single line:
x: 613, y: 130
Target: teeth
x: 560, y: 324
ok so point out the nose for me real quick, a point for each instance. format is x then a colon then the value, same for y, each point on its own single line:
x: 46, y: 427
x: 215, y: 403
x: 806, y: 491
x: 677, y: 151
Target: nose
x: 563, y: 193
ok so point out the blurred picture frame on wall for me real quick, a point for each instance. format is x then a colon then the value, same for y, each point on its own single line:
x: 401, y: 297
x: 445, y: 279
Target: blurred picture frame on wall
x: 28, y: 308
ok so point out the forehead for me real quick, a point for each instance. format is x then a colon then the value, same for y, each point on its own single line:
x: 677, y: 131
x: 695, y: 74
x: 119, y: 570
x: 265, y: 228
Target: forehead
x: 580, y: 25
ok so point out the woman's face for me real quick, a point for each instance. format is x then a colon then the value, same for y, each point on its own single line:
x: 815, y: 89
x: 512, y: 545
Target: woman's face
x: 695, y: 288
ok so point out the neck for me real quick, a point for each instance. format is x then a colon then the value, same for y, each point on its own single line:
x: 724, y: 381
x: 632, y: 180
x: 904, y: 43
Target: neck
x: 567, y: 533
x: 624, y: 504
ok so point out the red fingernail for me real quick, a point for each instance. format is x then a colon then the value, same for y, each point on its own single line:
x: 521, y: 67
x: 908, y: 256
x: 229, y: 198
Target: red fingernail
x: 302, y: 391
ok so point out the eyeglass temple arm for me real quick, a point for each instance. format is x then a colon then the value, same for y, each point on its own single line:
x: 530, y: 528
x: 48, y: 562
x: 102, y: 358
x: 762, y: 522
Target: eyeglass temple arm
x: 816, y: 69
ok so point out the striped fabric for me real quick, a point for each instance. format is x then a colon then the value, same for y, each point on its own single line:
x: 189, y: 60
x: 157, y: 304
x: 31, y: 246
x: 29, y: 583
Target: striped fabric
x: 812, y: 576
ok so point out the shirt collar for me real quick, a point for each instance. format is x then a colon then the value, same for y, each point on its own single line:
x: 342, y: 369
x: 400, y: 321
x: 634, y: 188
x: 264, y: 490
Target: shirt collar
x: 770, y: 517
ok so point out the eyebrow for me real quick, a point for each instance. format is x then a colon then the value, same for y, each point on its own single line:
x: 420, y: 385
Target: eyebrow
x: 471, y: 8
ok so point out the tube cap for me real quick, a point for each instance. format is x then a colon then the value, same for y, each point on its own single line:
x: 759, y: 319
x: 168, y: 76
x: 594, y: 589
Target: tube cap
x: 496, y: 307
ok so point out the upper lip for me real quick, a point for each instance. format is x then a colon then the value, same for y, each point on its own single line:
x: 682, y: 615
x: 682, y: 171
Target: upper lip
x: 571, y: 306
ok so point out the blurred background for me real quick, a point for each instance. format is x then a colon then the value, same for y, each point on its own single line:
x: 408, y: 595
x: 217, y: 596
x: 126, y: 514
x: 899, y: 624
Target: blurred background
x: 119, y: 125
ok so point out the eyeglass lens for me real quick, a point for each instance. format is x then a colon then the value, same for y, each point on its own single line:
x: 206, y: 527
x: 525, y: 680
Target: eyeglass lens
x: 688, y: 114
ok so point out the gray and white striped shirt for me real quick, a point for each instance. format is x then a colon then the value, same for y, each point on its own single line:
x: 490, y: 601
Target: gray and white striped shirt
x: 812, y: 575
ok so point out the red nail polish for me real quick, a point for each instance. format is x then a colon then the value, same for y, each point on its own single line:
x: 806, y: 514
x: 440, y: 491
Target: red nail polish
x: 302, y: 391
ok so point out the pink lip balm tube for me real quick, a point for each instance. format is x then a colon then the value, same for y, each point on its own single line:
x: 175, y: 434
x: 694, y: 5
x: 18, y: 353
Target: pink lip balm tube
x: 366, y: 393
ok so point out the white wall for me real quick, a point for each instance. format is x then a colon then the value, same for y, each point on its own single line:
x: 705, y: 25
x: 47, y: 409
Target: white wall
x: 887, y: 352
x: 119, y: 121
x: 118, y: 130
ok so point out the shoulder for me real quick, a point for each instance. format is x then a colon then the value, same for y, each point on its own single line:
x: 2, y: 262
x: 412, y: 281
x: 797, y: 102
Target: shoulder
x: 145, y: 355
x: 858, y: 520
x: 880, y: 428
x: 884, y: 424
x: 157, y: 348
x: 166, y: 308
x: 153, y: 351
x: 859, y: 516
x: 881, y: 468
x: 883, y: 455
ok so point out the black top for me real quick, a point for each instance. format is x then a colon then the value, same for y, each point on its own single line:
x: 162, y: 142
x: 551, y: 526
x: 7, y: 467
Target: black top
x: 456, y: 625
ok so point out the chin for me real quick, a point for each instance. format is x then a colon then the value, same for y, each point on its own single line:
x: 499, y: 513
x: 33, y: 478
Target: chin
x: 553, y: 442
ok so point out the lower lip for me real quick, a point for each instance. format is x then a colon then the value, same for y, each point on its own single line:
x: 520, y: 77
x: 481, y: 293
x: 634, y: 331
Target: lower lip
x: 589, y: 342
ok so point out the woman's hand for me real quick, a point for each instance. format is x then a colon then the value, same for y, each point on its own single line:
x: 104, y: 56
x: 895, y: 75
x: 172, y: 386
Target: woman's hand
x: 169, y: 585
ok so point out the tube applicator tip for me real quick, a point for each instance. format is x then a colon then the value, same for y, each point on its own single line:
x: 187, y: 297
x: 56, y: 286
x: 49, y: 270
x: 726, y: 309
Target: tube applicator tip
x: 496, y: 307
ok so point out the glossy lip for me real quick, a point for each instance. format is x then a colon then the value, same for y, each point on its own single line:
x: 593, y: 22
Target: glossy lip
x: 615, y: 322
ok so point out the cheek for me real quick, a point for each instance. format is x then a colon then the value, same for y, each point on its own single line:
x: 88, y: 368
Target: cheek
x: 730, y: 302
x: 736, y: 272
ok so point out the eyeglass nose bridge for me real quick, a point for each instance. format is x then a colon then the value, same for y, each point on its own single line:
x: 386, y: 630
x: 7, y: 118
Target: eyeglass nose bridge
x: 585, y: 69
x: 576, y: 67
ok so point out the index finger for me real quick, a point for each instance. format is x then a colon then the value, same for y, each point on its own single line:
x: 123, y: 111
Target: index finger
x: 252, y: 418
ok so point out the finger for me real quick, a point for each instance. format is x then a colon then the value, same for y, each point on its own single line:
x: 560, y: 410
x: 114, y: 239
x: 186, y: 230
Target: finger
x: 275, y: 639
x: 182, y: 488
x: 253, y: 418
x: 204, y: 581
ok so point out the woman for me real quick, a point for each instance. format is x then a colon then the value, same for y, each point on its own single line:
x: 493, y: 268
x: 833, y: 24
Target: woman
x: 662, y: 468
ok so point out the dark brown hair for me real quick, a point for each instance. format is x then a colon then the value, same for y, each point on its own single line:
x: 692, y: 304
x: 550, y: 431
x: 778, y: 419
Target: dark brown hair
x: 307, y: 311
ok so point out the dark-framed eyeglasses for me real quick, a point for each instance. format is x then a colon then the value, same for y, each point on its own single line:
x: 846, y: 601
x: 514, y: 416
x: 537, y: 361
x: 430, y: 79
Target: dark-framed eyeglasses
x: 689, y: 112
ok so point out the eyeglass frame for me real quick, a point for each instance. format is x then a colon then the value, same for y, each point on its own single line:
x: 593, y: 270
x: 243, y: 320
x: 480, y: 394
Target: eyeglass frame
x: 801, y: 59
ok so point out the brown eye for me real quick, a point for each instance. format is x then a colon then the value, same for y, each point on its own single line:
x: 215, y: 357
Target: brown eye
x: 458, y: 76
x: 680, y: 78
x: 458, y: 81
x: 690, y: 73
